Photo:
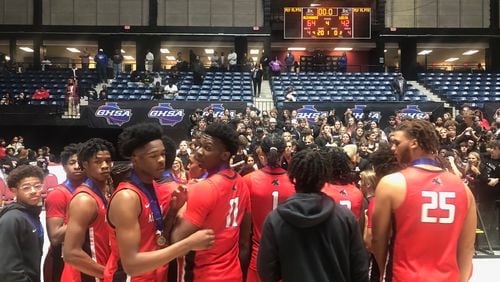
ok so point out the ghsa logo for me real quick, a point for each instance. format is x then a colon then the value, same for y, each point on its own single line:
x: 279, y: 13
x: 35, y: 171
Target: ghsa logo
x: 113, y: 114
x: 359, y: 113
x: 309, y: 112
x: 412, y: 112
x: 218, y: 110
x: 165, y: 114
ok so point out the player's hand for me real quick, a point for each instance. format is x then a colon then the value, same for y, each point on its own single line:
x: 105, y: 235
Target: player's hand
x: 179, y: 197
x: 201, y: 240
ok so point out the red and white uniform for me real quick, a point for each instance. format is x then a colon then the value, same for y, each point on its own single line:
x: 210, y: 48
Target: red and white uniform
x: 96, y: 243
x: 219, y: 203
x: 347, y: 195
x: 268, y: 187
x: 427, y: 227
x: 148, y: 237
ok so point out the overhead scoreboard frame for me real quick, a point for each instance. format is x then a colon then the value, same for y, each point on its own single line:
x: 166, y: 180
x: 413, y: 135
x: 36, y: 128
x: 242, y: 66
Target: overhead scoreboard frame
x: 327, y: 23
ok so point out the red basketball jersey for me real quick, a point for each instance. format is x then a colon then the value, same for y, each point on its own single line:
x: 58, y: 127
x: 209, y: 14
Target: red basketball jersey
x: 57, y: 202
x: 147, y: 242
x: 96, y: 243
x: 218, y: 203
x: 268, y: 187
x: 347, y: 195
x: 427, y: 227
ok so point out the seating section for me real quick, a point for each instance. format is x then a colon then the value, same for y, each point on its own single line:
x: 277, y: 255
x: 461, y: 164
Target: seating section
x: 54, y: 80
x: 217, y: 86
x: 340, y: 87
x: 459, y: 88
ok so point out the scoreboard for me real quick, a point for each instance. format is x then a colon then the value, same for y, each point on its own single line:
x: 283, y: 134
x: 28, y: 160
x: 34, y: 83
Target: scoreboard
x: 327, y: 23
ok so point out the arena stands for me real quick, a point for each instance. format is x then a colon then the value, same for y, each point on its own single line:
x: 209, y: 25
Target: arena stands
x: 460, y: 88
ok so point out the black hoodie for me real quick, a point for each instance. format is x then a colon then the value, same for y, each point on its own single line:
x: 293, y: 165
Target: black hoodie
x: 311, y: 238
x: 21, y: 243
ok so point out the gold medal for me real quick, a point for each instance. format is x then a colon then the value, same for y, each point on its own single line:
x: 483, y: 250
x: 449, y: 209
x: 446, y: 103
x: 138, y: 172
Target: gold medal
x: 161, y: 241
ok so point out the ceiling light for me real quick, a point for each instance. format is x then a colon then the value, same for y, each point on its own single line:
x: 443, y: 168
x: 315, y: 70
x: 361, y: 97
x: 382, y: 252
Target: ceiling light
x: 342, y: 49
x: 470, y: 52
x: 128, y: 58
x: 171, y: 58
x: 7, y: 58
x: 425, y: 52
x: 296, y: 49
x: 209, y: 51
x: 27, y: 49
x: 254, y: 51
x: 164, y: 51
x: 73, y: 50
x: 315, y: 5
x: 123, y: 51
x: 451, y: 60
x: 385, y: 50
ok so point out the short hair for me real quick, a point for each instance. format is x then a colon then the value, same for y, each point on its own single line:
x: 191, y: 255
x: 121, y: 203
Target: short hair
x: 423, y: 132
x: 91, y: 147
x: 67, y: 152
x: 309, y: 170
x: 340, y: 171
x: 495, y: 144
x: 21, y: 172
x: 273, y: 146
x: 368, y: 177
x: 136, y: 136
x: 384, y: 161
x: 226, y: 135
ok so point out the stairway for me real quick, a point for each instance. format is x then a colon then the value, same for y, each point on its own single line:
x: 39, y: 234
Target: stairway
x: 265, y: 101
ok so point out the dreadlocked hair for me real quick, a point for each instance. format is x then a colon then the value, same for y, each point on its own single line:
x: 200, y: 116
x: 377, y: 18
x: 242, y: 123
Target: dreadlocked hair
x: 226, y: 134
x: 91, y: 147
x: 339, y: 164
x: 273, y: 146
x: 68, y: 151
x: 423, y: 132
x: 309, y: 170
x: 384, y: 161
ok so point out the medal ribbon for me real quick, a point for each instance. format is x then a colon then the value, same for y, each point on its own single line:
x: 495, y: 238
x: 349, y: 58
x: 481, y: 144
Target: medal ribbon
x: 425, y: 161
x: 96, y: 190
x: 69, y: 186
x: 153, y: 201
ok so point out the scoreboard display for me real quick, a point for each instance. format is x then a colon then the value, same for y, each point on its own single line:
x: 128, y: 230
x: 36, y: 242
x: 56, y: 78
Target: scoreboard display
x: 327, y: 23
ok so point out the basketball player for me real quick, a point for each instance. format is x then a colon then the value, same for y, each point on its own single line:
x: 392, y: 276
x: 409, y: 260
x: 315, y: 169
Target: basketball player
x: 309, y: 237
x: 268, y: 187
x: 340, y: 186
x: 86, y: 244
x: 432, y: 211
x: 56, y: 207
x: 140, y: 246
x: 220, y: 202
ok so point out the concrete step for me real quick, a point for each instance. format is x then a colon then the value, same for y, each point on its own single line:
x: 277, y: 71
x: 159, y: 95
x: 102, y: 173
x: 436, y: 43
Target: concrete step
x: 425, y: 91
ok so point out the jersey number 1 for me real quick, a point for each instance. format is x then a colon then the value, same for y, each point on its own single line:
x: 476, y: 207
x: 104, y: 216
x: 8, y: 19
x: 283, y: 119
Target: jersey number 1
x: 231, y: 219
x: 438, y: 201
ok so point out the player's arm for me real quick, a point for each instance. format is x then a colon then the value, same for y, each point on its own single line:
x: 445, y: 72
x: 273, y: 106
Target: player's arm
x: 124, y: 211
x: 465, y: 248
x: 55, y: 206
x: 381, y: 223
x: 83, y: 211
x: 244, y: 240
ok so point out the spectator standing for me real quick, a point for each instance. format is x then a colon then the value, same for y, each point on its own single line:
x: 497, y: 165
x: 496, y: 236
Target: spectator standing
x: 264, y: 64
x: 289, y: 61
x: 149, y: 61
x: 399, y: 87
x: 72, y: 98
x: 85, y: 57
x: 275, y: 66
x: 21, y: 232
x: 117, y: 62
x: 333, y: 251
x: 257, y: 80
x: 232, y: 59
x: 342, y: 62
x: 101, y: 60
x: 215, y: 62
